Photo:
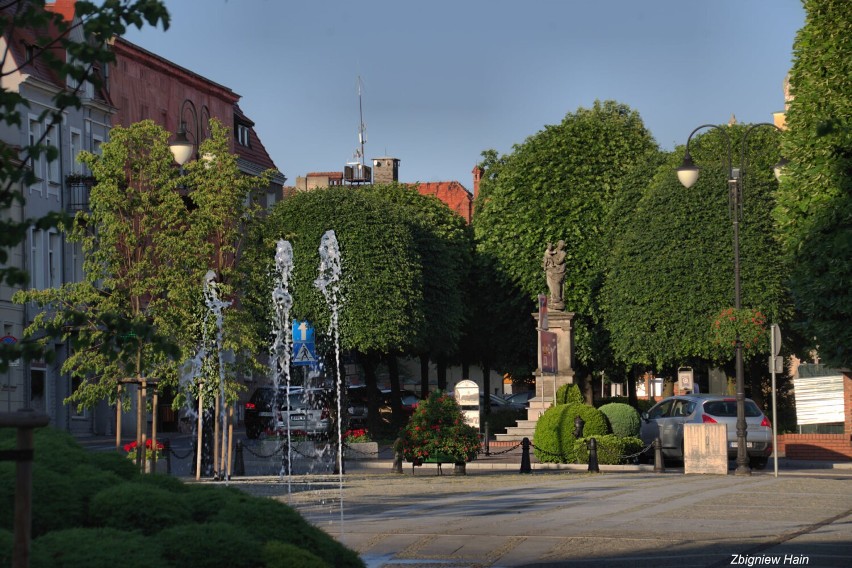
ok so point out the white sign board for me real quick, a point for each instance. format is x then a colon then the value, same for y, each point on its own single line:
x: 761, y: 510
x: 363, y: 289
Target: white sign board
x: 685, y: 379
x: 467, y: 395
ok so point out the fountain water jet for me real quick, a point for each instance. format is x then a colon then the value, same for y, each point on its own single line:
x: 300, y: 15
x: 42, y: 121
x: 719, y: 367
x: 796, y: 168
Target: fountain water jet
x: 280, y: 350
x: 328, y: 282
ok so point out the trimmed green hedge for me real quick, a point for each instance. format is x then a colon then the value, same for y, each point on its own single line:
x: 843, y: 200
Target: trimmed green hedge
x: 554, y: 432
x: 95, y: 509
x: 570, y: 394
x: 611, y: 449
x: 624, y: 420
x: 95, y: 548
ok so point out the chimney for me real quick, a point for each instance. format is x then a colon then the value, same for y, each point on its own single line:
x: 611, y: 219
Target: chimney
x: 385, y: 170
x: 477, y: 175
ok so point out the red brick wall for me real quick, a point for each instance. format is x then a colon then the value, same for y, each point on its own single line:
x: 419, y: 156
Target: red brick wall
x: 831, y: 447
x: 847, y: 404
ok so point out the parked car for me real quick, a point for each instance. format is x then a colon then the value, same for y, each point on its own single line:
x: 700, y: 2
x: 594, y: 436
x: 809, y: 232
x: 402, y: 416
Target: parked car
x: 522, y: 398
x: 666, y: 419
x: 305, y: 410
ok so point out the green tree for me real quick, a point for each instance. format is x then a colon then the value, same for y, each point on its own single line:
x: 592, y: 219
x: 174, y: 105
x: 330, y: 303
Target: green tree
x: 97, y: 22
x: 814, y: 210
x: 559, y: 184
x: 445, y: 246
x: 382, y: 280
x: 672, y: 264
x: 122, y: 320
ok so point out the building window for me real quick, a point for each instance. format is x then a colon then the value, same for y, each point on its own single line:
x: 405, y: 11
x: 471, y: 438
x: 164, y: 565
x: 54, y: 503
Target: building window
x: 36, y: 162
x: 75, y: 147
x: 54, y: 259
x: 37, y: 264
x: 243, y: 135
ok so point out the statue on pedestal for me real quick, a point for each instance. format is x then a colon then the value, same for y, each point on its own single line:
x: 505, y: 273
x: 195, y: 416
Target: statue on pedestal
x: 554, y: 272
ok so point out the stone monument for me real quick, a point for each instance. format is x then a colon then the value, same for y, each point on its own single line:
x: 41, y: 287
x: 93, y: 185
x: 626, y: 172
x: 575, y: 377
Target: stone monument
x: 558, y: 322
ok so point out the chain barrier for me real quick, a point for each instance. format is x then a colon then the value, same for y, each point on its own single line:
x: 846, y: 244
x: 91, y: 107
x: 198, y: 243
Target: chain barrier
x: 626, y: 457
x: 259, y: 455
x: 506, y: 451
x: 190, y: 452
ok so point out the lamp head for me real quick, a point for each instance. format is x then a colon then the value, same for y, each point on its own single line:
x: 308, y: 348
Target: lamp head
x: 181, y: 148
x: 687, y: 173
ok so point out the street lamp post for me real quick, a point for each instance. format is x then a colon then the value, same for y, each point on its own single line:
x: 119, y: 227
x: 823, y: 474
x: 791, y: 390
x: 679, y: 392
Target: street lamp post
x: 183, y: 148
x: 687, y: 173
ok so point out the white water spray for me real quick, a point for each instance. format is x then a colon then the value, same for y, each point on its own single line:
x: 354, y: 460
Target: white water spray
x: 328, y: 282
x: 280, y: 350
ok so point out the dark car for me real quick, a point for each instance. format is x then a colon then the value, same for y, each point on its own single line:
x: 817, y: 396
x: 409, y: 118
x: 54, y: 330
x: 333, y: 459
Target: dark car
x: 666, y: 419
x: 304, y: 410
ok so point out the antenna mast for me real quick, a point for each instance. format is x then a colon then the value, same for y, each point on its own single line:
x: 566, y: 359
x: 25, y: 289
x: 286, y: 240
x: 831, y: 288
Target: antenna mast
x: 362, y: 129
x: 356, y: 172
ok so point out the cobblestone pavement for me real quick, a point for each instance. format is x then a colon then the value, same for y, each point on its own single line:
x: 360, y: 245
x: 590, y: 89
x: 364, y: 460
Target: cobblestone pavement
x: 558, y: 518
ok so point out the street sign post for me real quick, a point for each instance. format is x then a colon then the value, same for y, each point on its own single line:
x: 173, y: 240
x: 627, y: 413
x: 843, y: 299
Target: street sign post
x: 304, y: 348
x: 775, y: 347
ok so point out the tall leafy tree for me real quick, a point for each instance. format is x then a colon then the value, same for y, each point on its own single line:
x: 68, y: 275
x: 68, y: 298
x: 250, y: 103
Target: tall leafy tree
x: 672, y: 263
x: 444, y: 245
x: 98, y: 22
x: 814, y: 210
x: 559, y: 184
x: 382, y: 280
x: 119, y: 319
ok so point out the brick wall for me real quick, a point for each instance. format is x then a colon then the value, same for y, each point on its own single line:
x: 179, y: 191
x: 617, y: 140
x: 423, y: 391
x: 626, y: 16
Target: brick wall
x: 831, y: 447
x: 847, y: 403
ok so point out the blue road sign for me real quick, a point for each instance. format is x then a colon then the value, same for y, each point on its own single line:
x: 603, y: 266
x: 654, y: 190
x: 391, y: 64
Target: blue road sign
x: 304, y: 348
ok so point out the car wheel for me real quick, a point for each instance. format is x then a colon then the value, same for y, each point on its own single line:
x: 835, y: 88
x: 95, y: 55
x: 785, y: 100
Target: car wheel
x: 758, y: 463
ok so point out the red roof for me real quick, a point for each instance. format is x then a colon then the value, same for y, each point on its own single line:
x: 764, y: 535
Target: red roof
x: 452, y: 193
x: 63, y: 7
x: 256, y: 151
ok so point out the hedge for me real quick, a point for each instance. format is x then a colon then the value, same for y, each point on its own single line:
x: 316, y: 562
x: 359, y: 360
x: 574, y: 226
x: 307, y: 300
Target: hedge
x: 569, y: 394
x: 623, y: 419
x: 611, y: 449
x: 554, y: 432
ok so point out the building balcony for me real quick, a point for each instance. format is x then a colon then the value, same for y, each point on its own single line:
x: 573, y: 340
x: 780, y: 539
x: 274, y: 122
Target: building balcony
x: 77, y: 190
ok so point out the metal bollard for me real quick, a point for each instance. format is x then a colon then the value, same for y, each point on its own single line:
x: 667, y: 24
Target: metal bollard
x: 239, y: 464
x: 397, y: 457
x: 487, y: 436
x: 167, y: 449
x: 593, y: 455
x: 193, y: 456
x: 659, y: 464
x: 525, y: 456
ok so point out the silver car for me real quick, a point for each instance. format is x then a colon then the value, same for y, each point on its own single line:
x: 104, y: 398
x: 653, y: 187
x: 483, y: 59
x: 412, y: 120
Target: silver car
x: 666, y: 419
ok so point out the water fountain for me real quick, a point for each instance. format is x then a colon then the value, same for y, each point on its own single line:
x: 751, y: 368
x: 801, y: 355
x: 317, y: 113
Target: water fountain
x: 280, y: 350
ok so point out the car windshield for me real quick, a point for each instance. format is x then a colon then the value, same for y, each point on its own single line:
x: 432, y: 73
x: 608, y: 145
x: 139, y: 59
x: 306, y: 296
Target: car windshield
x: 728, y: 408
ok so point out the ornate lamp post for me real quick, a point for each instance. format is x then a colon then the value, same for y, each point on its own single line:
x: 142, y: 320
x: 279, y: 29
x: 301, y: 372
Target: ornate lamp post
x: 687, y: 173
x: 183, y: 148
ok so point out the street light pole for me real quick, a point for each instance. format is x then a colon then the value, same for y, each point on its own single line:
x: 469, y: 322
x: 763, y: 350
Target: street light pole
x: 687, y: 173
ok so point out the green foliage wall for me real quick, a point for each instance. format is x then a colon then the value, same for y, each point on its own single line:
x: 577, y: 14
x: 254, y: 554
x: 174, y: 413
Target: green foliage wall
x: 382, y: 280
x: 559, y: 184
x: 672, y: 267
x: 814, y: 212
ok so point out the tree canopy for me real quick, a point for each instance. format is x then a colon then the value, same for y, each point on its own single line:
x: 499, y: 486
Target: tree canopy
x: 671, y: 268
x: 95, y: 24
x: 559, y: 184
x: 814, y: 211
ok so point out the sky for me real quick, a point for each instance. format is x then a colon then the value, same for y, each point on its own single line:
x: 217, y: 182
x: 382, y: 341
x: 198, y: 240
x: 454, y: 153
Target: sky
x: 442, y: 81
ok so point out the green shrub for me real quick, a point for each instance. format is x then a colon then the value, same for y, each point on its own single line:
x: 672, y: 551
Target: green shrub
x: 569, y: 394
x: 438, y: 428
x: 94, y: 548
x: 6, y: 543
x: 115, y: 462
x: 624, y: 420
x: 87, y: 481
x: 203, y: 502
x: 611, y: 448
x: 210, y: 545
x: 137, y: 506
x: 283, y: 555
x: 554, y: 432
x: 642, y: 404
x: 56, y: 502
x: 271, y: 520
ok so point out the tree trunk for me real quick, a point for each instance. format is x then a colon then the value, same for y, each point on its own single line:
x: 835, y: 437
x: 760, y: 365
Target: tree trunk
x: 424, y: 376
x: 465, y: 368
x: 486, y: 386
x: 631, y: 388
x: 396, y: 399
x: 587, y: 389
x: 442, y: 372
x: 368, y: 362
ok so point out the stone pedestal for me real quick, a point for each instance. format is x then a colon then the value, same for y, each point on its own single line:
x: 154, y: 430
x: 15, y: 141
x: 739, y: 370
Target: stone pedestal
x: 546, y: 385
